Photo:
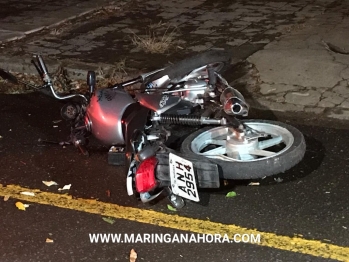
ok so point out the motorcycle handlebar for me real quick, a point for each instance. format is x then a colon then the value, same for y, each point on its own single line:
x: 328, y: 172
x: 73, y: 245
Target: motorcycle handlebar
x: 41, y: 67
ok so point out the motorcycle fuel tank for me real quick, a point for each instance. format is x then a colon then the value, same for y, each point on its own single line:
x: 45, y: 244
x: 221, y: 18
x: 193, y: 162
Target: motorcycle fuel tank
x: 104, y: 115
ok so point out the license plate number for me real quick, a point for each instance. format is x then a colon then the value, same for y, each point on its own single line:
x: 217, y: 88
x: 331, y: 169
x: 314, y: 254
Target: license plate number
x: 182, y: 176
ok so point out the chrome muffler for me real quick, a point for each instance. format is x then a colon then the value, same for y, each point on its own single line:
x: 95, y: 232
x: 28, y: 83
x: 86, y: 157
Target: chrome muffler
x: 233, y: 102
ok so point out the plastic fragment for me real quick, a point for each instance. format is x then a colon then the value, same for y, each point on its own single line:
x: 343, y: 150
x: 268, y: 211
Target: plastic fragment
x: 26, y: 193
x: 49, y: 240
x: 66, y: 187
x: 50, y: 183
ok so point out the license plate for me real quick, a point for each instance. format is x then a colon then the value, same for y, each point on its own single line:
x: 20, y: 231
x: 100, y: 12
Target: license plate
x: 183, y: 178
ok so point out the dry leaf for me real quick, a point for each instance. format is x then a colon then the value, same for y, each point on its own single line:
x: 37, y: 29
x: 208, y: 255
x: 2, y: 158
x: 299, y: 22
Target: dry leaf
x: 7, y: 197
x: 231, y: 194
x: 109, y: 220
x: 50, y: 183
x: 48, y: 240
x: 133, y: 255
x: 20, y: 206
x: 27, y: 193
x: 169, y: 207
x: 66, y: 187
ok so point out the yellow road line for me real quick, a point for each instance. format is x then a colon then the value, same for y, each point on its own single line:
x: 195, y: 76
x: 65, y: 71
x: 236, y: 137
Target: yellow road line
x: 293, y: 244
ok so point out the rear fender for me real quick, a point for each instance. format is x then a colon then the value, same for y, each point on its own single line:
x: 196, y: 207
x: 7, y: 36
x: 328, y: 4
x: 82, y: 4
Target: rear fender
x: 135, y: 117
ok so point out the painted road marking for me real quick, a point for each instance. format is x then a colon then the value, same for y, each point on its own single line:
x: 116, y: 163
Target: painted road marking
x: 293, y: 244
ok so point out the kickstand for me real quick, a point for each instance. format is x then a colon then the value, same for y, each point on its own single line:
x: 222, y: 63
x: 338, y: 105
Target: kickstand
x: 81, y: 147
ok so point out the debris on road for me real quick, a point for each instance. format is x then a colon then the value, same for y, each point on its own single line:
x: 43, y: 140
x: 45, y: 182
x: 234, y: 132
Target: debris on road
x: 278, y: 180
x: 169, y: 207
x: 108, y: 193
x: 7, y: 197
x: 133, y: 255
x: 109, y: 220
x: 231, y: 194
x: 66, y: 187
x: 50, y: 183
x: 254, y: 184
x: 26, y: 193
x: 21, y: 206
x: 48, y: 240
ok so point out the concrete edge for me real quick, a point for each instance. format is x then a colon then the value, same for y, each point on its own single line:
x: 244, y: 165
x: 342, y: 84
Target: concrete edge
x: 38, y: 29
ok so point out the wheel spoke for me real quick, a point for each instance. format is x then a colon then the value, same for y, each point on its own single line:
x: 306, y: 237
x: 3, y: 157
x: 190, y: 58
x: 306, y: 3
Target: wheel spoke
x: 216, y: 142
x: 270, y: 142
x: 259, y: 152
x: 246, y: 157
x: 216, y: 151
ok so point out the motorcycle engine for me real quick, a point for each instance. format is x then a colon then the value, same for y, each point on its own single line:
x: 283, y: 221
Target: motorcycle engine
x: 193, y: 91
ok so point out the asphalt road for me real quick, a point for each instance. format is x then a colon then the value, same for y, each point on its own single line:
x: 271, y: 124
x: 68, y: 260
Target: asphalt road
x: 310, y: 203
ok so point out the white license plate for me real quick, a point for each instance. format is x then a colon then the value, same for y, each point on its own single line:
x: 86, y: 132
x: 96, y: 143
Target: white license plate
x: 183, y: 178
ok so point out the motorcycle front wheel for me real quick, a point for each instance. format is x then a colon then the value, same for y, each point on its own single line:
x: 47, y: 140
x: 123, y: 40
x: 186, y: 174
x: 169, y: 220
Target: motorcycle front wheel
x: 280, y: 148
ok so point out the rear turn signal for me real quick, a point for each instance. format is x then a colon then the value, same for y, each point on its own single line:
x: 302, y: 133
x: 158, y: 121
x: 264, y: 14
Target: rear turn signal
x: 145, y: 175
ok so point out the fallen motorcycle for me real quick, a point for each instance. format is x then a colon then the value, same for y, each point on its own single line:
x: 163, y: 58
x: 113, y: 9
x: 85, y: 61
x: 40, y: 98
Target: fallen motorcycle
x: 191, y: 92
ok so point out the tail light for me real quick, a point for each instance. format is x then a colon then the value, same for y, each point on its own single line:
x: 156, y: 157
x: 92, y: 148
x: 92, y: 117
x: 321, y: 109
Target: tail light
x: 145, y: 175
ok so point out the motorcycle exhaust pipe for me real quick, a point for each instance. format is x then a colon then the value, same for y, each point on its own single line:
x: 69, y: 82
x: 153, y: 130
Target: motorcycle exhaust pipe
x: 233, y: 102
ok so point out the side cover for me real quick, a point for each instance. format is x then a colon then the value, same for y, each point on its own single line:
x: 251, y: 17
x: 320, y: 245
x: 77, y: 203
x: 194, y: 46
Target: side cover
x: 157, y: 102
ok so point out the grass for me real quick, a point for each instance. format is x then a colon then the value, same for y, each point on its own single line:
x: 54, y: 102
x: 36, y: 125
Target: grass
x: 63, y: 83
x: 154, y: 41
x: 114, y: 75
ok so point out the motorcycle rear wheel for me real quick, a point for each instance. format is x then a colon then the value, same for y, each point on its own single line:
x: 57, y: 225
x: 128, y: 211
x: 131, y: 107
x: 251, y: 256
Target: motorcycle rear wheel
x: 284, y: 149
x: 191, y: 66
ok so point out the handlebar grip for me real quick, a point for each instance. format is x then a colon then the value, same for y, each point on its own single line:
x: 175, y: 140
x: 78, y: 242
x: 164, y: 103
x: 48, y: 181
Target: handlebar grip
x: 42, y: 65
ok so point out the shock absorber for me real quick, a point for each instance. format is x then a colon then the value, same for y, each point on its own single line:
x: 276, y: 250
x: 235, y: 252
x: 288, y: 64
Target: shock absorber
x: 188, y: 120
x: 180, y: 119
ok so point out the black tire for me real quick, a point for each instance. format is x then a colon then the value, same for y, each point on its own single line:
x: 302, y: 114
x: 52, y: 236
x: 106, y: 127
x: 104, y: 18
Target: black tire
x: 260, y: 168
x: 184, y: 67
